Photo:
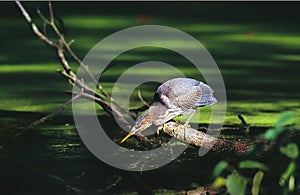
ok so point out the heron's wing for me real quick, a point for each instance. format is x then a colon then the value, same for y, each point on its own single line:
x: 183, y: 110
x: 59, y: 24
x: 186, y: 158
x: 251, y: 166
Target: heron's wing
x: 207, y: 97
x: 195, y: 96
x: 189, y: 98
x: 175, y: 89
x: 185, y: 94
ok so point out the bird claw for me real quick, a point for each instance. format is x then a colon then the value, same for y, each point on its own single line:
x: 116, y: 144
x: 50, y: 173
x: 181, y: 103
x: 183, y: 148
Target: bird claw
x: 187, y: 126
x: 177, y: 127
x: 184, y: 127
x: 160, y: 128
x: 164, y: 126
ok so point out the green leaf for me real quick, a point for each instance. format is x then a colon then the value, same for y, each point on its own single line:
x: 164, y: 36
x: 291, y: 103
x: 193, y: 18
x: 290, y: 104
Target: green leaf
x: 284, y: 118
x: 271, y: 134
x: 236, y: 184
x: 292, y: 183
x: 219, y: 168
x: 288, y: 172
x: 218, y: 183
x: 279, y: 125
x: 256, y: 182
x: 291, y: 150
x: 250, y: 149
x: 250, y: 164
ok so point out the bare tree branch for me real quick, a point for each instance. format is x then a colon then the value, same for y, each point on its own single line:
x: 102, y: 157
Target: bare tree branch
x: 47, y: 22
x: 47, y: 117
x: 86, y: 91
x: 201, y: 139
x: 61, y: 108
x: 119, y: 116
x: 67, y: 45
x: 63, y: 60
x: 34, y: 27
x: 51, y: 12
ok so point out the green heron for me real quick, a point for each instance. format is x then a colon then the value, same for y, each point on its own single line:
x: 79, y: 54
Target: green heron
x: 179, y: 96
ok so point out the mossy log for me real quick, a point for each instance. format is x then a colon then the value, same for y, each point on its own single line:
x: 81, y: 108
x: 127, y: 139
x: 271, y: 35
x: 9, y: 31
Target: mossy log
x: 201, y: 139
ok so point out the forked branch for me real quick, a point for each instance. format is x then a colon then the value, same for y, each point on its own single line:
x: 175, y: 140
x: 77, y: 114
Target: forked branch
x: 60, y: 44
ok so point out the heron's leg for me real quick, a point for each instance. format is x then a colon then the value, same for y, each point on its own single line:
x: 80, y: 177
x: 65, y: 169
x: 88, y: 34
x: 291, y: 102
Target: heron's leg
x: 186, y: 124
x: 189, y: 118
x: 188, y: 121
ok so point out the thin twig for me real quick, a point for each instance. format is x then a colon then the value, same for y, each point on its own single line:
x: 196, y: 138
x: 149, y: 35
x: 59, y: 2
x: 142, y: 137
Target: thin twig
x: 64, y: 73
x: 119, y: 116
x: 85, y: 68
x: 51, y: 12
x: 114, y: 181
x: 34, y: 27
x: 60, y: 109
x: 142, y: 99
x: 47, y: 117
x: 24, y: 12
x: 61, y: 180
x: 43, y: 17
x: 86, y: 91
x: 63, y: 60
x: 244, y: 123
x: 79, y: 61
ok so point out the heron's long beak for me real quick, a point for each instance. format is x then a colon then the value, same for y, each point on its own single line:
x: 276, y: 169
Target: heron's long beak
x: 127, y: 136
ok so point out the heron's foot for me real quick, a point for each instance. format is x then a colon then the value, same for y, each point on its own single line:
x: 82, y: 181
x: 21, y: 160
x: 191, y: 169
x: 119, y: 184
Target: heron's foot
x: 179, y: 126
x: 186, y: 126
x: 162, y: 127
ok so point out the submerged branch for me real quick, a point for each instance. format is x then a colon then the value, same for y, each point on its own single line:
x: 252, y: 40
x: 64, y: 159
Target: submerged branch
x: 49, y: 116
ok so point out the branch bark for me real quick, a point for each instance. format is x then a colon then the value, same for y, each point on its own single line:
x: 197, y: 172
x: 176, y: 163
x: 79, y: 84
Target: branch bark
x: 201, y: 139
x: 85, y: 91
x: 189, y: 135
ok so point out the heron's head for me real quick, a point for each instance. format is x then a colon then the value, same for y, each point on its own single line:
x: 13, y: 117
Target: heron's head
x: 142, y: 122
x: 157, y: 114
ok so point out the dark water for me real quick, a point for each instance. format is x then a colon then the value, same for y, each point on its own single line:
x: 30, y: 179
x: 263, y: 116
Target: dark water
x: 55, y: 160
x: 52, y: 158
